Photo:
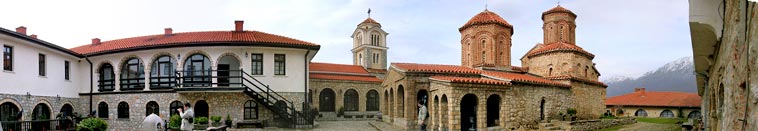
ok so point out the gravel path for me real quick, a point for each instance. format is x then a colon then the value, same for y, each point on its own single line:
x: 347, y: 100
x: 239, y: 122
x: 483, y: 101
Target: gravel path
x: 324, y: 126
x: 644, y: 126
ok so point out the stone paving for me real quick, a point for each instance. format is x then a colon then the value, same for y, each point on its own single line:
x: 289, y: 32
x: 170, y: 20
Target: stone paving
x: 324, y: 126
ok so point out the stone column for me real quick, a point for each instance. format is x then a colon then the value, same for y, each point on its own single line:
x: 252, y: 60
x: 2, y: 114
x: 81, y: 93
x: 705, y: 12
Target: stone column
x: 116, y: 80
x: 214, y: 73
x: 481, y: 113
x: 147, y: 79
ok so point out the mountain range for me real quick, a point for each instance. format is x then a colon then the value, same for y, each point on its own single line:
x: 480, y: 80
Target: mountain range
x: 677, y: 75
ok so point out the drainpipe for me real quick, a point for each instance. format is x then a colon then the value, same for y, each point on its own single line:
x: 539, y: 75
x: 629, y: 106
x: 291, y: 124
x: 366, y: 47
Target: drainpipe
x: 90, y: 83
x: 307, y: 103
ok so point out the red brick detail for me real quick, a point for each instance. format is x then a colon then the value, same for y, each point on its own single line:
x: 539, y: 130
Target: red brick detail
x: 344, y: 77
x: 486, y: 17
x: 558, y: 9
x: 469, y: 80
x: 369, y: 20
x: 593, y: 82
x: 435, y: 68
x: 524, y: 78
x: 559, y: 47
x: 251, y: 37
x: 667, y: 99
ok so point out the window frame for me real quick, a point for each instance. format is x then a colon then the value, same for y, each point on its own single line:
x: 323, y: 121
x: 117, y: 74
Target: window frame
x: 7, y: 58
x: 197, y: 77
x: 159, y: 80
x: 256, y: 64
x: 101, y: 78
x: 250, y: 107
x: 123, y: 110
x: 132, y: 81
x: 280, y: 64
x: 152, y: 104
x: 67, y: 70
x: 42, y: 61
x: 173, y: 106
x: 102, y: 110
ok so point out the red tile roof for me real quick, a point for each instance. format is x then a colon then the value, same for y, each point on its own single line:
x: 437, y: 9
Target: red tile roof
x: 524, y: 78
x: 485, y: 17
x: 336, y: 68
x: 559, y: 46
x: 519, y: 69
x: 667, y: 99
x: 557, y: 9
x: 369, y: 20
x: 344, y: 77
x: 188, y: 38
x: 453, y: 79
x: 434, y: 68
x: 332, y: 71
x: 594, y: 82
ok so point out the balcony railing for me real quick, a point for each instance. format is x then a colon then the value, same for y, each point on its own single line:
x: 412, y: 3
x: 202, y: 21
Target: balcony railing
x: 39, y: 125
x: 205, y: 78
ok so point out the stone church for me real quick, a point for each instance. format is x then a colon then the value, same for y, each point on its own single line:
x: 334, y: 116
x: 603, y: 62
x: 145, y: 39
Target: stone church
x: 486, y: 91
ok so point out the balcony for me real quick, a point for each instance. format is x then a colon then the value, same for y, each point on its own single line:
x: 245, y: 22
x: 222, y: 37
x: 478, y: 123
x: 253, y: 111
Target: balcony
x: 208, y: 80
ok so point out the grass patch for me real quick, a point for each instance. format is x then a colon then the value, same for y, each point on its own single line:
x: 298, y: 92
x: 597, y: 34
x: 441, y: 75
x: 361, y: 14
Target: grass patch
x: 660, y: 120
x: 612, y: 128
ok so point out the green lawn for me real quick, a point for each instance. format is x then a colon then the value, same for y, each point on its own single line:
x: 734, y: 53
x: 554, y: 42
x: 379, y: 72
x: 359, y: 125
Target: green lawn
x: 661, y: 120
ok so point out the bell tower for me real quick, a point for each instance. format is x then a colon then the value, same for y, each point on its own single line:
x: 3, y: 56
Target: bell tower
x: 370, y: 45
x: 486, y: 41
x: 559, y: 26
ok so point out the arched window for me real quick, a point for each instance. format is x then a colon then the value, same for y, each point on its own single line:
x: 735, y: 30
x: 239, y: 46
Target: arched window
x: 667, y: 114
x: 251, y: 110
x: 326, y: 100
x: 173, y: 106
x: 401, y: 100
x: 123, y: 110
x: 162, y: 73
x: 152, y: 108
x: 360, y: 59
x: 694, y: 115
x: 619, y: 112
x: 640, y: 113
x: 351, y: 100
x: 106, y: 78
x: 197, y: 71
x: 372, y: 101
x: 102, y: 110
x: 41, y: 112
x: 132, y: 75
x: 493, y: 110
x: 585, y: 70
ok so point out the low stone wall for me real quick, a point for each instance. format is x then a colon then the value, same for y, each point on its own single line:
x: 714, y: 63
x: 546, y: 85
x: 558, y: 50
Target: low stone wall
x: 591, y: 125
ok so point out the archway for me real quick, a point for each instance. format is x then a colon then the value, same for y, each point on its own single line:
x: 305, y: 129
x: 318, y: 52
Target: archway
x: 542, y: 109
x: 201, y: 109
x: 9, y: 112
x: 468, y: 112
x: 640, y: 113
x: 372, y: 100
x: 197, y: 71
x: 326, y: 100
x: 443, y: 110
x: 41, y: 112
x: 422, y: 96
x: 620, y: 112
x: 350, y: 100
x: 493, y: 110
x: 667, y: 114
x: 66, y: 111
x: 228, y: 71
x: 435, y: 113
x: 386, y: 102
x: 401, y: 101
x: 694, y: 115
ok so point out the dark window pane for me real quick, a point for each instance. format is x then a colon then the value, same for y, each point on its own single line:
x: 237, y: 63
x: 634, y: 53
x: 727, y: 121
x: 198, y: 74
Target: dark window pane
x: 123, y: 110
x: 67, y: 69
x: 257, y: 63
x: 279, y: 64
x: 41, y: 65
x: 8, y: 58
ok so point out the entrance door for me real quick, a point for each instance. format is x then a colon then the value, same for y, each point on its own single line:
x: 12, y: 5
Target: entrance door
x: 326, y: 100
x: 542, y: 109
x: 468, y: 112
x: 223, y: 75
x: 201, y: 109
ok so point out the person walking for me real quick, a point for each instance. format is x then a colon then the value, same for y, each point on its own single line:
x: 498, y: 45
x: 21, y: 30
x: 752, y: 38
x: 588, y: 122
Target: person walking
x: 422, y: 116
x: 187, y: 117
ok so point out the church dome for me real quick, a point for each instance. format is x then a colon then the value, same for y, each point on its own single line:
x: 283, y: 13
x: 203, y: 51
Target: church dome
x: 558, y: 9
x: 485, y: 17
x: 369, y: 20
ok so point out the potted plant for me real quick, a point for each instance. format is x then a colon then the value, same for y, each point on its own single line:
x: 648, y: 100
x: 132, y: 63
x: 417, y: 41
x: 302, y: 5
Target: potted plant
x: 216, y: 121
x: 228, y: 121
x: 201, y: 122
x: 175, y: 122
x: 563, y: 117
x: 572, y: 113
x: 92, y: 124
x: 340, y: 112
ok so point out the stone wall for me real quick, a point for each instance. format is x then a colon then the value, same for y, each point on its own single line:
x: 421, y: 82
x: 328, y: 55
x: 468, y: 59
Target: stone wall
x: 340, y: 87
x: 591, y: 125
x: 589, y: 100
x: 28, y: 102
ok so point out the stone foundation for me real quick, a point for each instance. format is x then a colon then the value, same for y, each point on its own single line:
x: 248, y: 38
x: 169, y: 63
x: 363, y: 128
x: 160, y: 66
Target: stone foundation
x: 28, y: 102
x: 591, y: 125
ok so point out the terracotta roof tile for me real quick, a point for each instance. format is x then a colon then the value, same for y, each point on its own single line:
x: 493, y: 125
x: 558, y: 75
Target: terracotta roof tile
x: 524, y: 78
x: 369, y: 20
x: 557, y: 9
x: 485, y: 17
x: 207, y: 37
x: 344, y: 77
x: 559, y: 46
x: 668, y: 99
x: 519, y: 69
x: 434, y: 68
x: 336, y: 68
x: 453, y: 79
x: 594, y: 82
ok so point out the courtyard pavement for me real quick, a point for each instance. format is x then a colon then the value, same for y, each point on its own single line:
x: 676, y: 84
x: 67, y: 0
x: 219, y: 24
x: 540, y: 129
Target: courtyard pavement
x: 330, y: 126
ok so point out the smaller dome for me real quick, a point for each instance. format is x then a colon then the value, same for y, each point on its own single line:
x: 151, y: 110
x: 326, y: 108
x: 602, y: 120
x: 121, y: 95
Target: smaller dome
x: 557, y: 9
x: 485, y: 17
x: 369, y: 20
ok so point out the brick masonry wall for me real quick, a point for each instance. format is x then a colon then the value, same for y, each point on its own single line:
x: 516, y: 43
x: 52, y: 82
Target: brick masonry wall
x: 27, y: 104
x: 498, y: 47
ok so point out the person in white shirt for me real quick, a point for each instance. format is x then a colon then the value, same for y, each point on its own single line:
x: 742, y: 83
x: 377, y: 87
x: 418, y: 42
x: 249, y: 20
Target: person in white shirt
x: 422, y: 116
x: 186, y: 117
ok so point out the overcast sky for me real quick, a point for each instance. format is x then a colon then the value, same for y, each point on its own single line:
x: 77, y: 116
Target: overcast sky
x: 628, y: 37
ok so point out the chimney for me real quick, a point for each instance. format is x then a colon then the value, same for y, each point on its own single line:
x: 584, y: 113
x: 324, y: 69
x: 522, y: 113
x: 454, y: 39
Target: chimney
x: 21, y: 29
x: 34, y: 36
x: 96, y: 41
x: 168, y: 31
x: 238, y: 25
x: 640, y: 90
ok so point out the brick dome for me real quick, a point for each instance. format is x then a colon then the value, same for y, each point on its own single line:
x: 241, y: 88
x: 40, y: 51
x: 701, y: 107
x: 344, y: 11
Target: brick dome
x: 369, y: 20
x: 485, y: 17
x: 558, y: 9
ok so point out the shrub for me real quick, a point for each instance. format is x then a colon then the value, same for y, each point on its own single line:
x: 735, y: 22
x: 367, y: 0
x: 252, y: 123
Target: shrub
x: 216, y: 119
x: 201, y: 120
x: 228, y: 118
x: 571, y: 111
x: 341, y: 111
x: 175, y: 122
x: 92, y: 124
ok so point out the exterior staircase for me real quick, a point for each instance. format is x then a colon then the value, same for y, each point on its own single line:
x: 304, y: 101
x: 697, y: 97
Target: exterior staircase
x: 285, y: 113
